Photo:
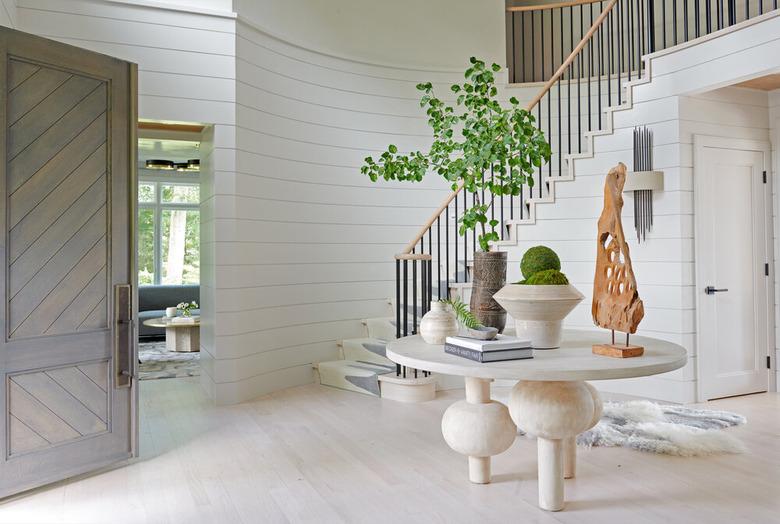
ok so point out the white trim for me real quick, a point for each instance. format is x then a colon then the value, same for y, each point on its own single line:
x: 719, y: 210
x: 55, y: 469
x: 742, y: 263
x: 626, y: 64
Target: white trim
x: 767, y: 321
x: 170, y: 7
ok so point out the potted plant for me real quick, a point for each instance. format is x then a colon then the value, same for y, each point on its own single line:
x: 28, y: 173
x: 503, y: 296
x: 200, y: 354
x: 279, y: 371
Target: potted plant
x: 540, y: 301
x: 187, y: 307
x: 483, y: 147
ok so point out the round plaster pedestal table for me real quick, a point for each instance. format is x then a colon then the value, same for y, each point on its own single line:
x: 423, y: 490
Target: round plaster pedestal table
x: 551, y: 399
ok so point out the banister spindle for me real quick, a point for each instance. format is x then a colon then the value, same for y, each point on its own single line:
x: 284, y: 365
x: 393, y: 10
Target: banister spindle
x: 630, y: 27
x: 455, y: 244
x: 397, y: 299
x: 414, y: 296
x: 685, y: 20
x: 438, y: 257
x: 447, y: 249
x: 406, y: 298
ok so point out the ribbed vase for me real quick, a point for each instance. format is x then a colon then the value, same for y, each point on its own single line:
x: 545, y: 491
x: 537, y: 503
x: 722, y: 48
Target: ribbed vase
x: 489, y: 277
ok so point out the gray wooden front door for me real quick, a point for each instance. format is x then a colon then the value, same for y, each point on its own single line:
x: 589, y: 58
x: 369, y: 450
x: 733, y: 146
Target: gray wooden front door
x: 67, y: 350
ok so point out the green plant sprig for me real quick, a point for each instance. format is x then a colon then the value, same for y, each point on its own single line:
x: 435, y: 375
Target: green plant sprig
x: 477, y: 143
x: 462, y: 313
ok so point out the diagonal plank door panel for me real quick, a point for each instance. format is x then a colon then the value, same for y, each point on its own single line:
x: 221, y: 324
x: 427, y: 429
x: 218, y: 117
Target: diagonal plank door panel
x: 67, y: 376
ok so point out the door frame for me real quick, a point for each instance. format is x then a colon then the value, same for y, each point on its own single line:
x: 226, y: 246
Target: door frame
x: 766, y: 321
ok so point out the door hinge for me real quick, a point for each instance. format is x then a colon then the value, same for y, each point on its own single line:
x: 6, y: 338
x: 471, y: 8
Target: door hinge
x: 764, y: 175
x: 766, y: 269
x: 768, y: 362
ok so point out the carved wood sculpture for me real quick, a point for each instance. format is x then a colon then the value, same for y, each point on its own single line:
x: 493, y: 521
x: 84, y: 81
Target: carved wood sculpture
x: 616, y: 302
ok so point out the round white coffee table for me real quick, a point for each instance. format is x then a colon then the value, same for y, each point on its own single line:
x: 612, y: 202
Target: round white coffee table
x: 551, y: 400
x: 183, y: 337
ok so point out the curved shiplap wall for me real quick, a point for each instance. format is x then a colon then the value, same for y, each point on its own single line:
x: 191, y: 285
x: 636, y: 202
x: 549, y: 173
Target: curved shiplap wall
x: 307, y: 245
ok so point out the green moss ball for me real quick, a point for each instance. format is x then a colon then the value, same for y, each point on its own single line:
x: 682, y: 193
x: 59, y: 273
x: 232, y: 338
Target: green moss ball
x: 539, y: 258
x: 548, y: 277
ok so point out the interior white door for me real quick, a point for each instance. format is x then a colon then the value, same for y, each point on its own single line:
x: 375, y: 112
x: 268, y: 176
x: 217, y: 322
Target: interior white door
x: 67, y: 350
x: 731, y: 217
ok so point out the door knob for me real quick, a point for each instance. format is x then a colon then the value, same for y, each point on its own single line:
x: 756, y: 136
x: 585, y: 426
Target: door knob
x: 710, y: 290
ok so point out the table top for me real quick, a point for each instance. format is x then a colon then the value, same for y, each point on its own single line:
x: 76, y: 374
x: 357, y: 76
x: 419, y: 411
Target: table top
x: 164, y: 322
x: 574, y: 360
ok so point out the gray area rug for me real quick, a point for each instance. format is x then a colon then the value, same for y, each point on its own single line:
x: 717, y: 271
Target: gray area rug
x: 665, y: 429
x: 156, y: 362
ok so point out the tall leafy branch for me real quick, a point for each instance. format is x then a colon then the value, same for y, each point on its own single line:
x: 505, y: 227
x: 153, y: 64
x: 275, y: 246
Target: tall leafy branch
x: 477, y: 143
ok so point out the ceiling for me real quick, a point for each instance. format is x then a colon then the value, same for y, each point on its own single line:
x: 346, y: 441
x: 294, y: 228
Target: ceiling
x: 764, y: 83
x: 174, y: 150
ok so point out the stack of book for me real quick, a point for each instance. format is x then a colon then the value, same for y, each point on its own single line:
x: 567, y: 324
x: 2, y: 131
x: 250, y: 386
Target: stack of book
x: 496, y: 350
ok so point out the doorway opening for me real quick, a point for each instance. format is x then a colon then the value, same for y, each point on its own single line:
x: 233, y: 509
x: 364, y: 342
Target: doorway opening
x: 168, y: 250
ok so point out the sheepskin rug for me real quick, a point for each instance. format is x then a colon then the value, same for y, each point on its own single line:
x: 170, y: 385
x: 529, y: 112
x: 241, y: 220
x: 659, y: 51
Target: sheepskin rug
x: 664, y: 429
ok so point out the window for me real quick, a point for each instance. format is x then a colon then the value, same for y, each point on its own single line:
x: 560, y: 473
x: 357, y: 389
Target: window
x: 168, y: 215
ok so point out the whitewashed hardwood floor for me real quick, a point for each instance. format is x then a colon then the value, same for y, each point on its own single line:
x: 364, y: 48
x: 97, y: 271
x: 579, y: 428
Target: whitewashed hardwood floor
x: 315, y: 454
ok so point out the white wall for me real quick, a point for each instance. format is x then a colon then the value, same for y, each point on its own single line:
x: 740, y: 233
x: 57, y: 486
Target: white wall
x: 429, y: 35
x: 8, y: 13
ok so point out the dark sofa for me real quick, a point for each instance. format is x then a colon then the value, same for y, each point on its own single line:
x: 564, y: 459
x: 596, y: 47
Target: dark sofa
x: 152, y: 301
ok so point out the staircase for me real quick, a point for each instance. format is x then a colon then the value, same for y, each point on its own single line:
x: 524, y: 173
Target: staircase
x: 440, y: 260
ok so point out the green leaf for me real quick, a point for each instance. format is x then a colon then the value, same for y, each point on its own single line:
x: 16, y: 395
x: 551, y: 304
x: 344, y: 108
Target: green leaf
x: 392, y: 149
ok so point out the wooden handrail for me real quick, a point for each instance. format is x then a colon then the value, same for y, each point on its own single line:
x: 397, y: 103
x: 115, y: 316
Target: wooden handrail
x: 571, y: 3
x: 408, y: 249
x: 574, y: 53
x: 562, y: 69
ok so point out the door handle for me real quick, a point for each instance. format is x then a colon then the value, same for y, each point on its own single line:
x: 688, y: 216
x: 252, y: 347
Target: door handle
x: 124, y: 364
x: 710, y: 290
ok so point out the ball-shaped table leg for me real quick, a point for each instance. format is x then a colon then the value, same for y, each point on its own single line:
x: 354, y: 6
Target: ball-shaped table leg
x: 554, y: 412
x: 478, y: 428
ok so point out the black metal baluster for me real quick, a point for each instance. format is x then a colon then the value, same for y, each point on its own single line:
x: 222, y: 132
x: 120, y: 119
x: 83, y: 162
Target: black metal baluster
x: 732, y: 12
x: 397, y: 299
x: 579, y: 88
x: 590, y: 64
x: 601, y: 64
x: 430, y: 268
x: 438, y: 257
x: 465, y: 240
x: 571, y: 69
x: 708, y: 16
x: 620, y: 51
x: 651, y: 25
x: 696, y: 18
x: 643, y: 32
x: 406, y: 298
x: 674, y: 20
x: 663, y: 23
x: 513, y: 76
x: 549, y: 106
x: 630, y: 29
x: 423, y: 285
x: 610, y: 47
x: 533, y: 49
x: 747, y: 9
x: 560, y: 121
x: 539, y: 127
x: 447, y: 248
x: 456, y: 237
x: 760, y: 7
x: 414, y: 296
x: 522, y: 42
x: 474, y: 231
x: 685, y: 20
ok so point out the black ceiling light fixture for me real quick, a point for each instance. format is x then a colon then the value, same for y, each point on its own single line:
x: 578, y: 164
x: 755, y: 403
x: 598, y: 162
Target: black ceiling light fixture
x: 156, y: 163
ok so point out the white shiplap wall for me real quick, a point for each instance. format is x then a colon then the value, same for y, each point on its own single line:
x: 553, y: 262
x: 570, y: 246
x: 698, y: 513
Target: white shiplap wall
x: 665, y: 263
x: 8, y: 13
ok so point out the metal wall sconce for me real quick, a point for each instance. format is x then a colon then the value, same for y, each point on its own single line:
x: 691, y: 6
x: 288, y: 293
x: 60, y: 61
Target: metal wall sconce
x: 643, y: 181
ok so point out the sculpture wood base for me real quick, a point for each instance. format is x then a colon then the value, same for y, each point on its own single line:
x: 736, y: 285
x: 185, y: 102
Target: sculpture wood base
x: 618, y: 350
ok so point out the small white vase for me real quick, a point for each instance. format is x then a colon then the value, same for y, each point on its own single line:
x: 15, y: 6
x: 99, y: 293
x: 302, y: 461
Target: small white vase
x: 438, y: 324
x: 170, y: 312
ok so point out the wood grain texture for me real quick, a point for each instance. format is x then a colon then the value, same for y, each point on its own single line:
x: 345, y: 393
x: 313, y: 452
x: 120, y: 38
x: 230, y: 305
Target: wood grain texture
x: 616, y: 302
x: 57, y: 228
x: 318, y: 454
